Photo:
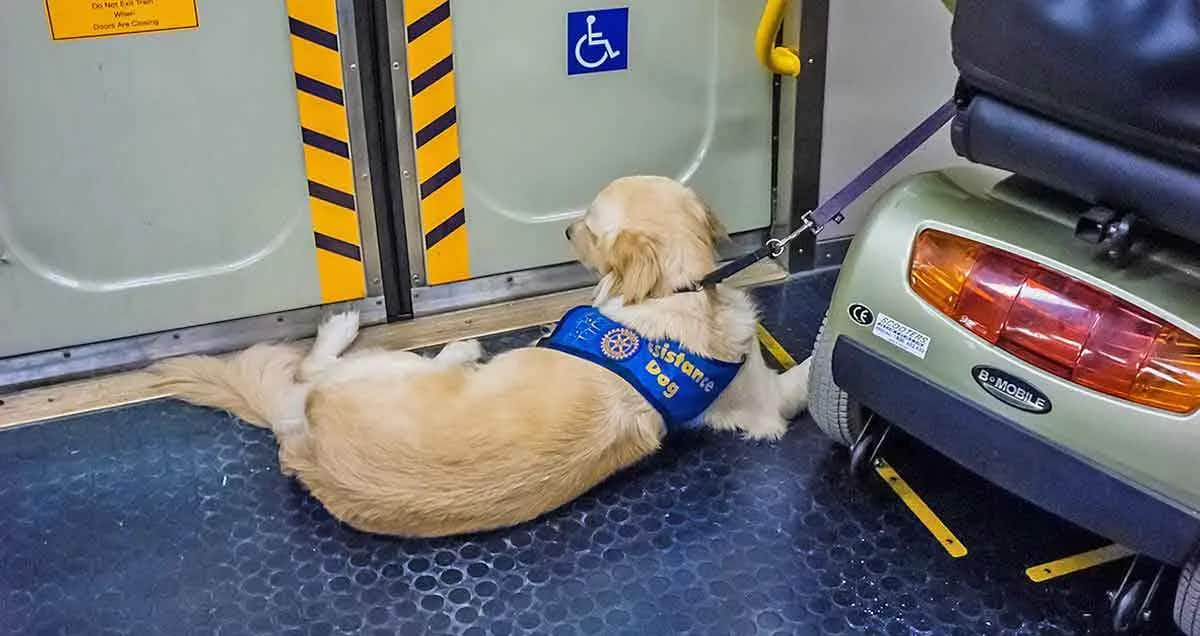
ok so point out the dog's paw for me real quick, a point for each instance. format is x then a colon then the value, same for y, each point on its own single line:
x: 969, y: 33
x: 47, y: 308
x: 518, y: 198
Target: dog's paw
x: 461, y: 352
x: 339, y: 330
x: 768, y: 430
x: 333, y: 337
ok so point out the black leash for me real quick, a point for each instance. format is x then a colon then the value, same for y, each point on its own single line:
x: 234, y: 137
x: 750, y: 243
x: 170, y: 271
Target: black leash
x: 831, y: 210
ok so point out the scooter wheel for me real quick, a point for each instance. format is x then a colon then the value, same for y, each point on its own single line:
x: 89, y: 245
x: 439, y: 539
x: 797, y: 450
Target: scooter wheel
x: 1187, y: 598
x: 862, y: 454
x: 1127, y: 609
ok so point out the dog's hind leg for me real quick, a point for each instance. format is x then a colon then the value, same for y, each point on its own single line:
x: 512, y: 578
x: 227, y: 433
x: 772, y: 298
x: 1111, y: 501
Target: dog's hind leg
x: 460, y: 352
x: 333, y: 337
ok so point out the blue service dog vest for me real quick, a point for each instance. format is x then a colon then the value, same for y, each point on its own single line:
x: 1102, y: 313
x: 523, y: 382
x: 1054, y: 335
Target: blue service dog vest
x: 678, y: 383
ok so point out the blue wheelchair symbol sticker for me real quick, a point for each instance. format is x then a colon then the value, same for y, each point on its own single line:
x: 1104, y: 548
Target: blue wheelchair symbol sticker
x: 597, y: 41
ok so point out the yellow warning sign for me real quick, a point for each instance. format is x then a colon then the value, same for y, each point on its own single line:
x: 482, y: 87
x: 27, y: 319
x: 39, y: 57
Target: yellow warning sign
x: 72, y: 19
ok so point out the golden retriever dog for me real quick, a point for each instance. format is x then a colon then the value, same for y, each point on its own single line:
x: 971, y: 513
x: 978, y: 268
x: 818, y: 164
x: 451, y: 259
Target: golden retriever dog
x: 395, y: 443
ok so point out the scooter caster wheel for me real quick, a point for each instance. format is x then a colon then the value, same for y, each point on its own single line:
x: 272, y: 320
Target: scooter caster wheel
x: 1127, y: 608
x: 862, y: 455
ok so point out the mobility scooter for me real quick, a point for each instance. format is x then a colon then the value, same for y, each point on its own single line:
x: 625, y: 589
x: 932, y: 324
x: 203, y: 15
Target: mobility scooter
x: 1042, y: 329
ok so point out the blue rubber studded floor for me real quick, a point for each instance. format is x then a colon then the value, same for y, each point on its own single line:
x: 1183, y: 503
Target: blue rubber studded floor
x: 167, y: 519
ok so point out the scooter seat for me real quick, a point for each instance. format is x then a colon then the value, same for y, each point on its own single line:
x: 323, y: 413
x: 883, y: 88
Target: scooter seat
x: 1099, y: 99
x: 998, y: 134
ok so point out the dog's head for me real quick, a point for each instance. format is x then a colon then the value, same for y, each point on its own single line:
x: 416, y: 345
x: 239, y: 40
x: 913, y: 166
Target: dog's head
x: 646, y: 237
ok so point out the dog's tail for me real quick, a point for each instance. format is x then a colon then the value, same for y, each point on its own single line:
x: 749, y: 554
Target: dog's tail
x: 258, y: 385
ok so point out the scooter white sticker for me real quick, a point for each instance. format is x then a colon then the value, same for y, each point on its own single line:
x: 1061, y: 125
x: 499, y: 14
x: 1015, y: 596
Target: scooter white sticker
x: 901, y: 335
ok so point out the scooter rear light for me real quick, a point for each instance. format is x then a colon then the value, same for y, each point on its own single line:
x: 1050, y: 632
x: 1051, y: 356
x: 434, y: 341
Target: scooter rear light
x: 990, y: 291
x: 1056, y: 323
x: 1049, y: 322
x: 940, y: 266
x: 1169, y: 377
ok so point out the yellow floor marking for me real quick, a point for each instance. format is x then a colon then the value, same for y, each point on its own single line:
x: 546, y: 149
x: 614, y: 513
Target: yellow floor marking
x: 1075, y: 563
x: 776, y: 350
x: 921, y: 510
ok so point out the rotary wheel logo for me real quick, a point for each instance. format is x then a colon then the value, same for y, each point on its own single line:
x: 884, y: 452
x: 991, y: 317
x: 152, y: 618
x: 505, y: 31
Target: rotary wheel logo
x: 619, y: 344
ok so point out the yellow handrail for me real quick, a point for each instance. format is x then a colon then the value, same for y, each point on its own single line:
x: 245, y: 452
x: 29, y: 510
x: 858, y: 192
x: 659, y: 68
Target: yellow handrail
x: 777, y: 59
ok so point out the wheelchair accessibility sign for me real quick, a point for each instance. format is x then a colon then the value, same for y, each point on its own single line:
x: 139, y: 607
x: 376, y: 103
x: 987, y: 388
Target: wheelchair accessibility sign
x: 597, y: 41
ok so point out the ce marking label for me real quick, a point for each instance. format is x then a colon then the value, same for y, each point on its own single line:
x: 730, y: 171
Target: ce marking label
x: 861, y: 314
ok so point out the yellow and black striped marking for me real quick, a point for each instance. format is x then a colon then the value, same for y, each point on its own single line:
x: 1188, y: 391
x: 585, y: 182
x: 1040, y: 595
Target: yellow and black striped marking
x: 435, y: 136
x: 326, y: 134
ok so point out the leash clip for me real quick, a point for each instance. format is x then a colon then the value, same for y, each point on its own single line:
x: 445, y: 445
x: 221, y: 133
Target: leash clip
x: 831, y: 210
x: 777, y: 246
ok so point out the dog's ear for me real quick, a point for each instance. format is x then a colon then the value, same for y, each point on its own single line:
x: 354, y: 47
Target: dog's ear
x: 635, y: 265
x: 716, y: 229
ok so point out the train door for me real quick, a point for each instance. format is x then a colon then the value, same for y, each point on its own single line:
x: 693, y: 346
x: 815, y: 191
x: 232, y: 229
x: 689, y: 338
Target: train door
x: 171, y: 164
x: 521, y: 112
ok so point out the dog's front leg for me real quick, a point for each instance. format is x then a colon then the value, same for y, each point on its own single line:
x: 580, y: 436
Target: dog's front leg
x: 753, y: 403
x: 793, y: 389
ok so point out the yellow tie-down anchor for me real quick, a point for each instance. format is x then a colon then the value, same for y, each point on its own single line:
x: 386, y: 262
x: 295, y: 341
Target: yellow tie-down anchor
x: 777, y: 59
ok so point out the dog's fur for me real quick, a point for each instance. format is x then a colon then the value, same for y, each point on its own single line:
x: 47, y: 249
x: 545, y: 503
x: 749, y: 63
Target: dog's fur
x: 395, y: 443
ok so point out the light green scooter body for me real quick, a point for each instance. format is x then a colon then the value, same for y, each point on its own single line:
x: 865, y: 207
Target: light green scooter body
x: 1157, y: 450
